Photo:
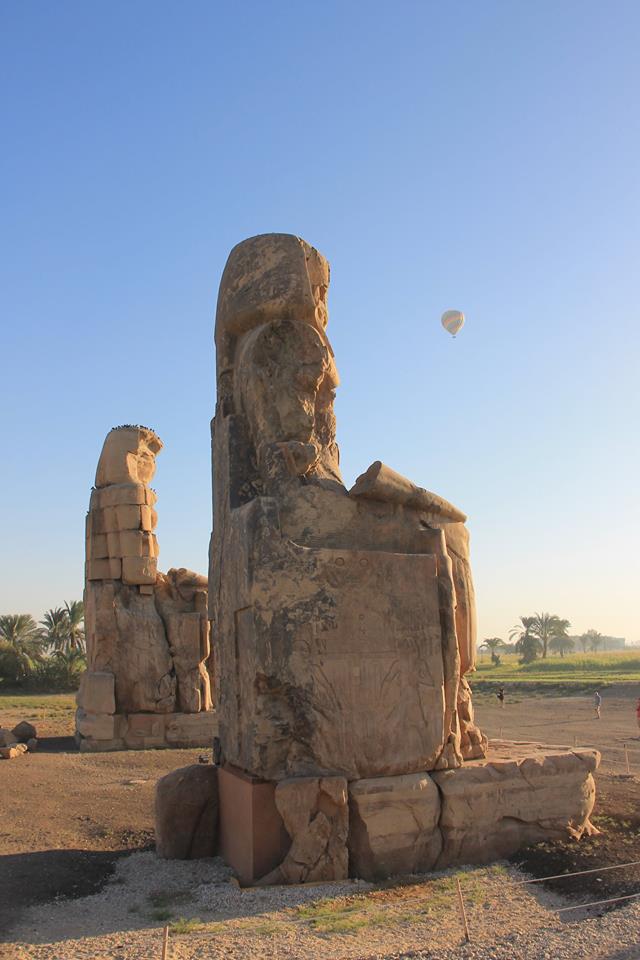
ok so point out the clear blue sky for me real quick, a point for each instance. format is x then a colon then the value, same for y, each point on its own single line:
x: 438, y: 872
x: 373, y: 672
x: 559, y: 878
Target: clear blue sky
x: 477, y: 155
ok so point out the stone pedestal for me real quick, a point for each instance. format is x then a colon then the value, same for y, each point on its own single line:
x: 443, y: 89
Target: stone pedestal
x: 99, y: 733
x: 305, y: 829
x: 252, y: 838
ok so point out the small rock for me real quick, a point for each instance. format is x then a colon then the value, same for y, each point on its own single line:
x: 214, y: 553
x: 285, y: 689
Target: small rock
x: 10, y: 753
x: 32, y: 745
x: 6, y: 737
x: 24, y: 731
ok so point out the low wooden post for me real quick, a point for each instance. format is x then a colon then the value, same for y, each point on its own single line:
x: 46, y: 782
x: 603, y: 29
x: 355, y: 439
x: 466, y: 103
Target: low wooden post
x: 165, y: 943
x: 463, y: 912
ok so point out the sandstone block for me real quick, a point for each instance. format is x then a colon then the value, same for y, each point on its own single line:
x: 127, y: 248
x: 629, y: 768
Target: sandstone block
x: 316, y: 817
x: 24, y: 731
x: 519, y: 794
x: 106, y: 569
x: 117, y: 494
x: 148, y: 518
x: 98, y: 546
x: 94, y: 725
x: 139, y: 570
x: 128, y: 456
x: 252, y: 836
x: 131, y: 543
x: 116, y: 519
x: 393, y: 826
x: 186, y: 808
x: 191, y: 729
x: 97, y: 692
x: 143, y: 731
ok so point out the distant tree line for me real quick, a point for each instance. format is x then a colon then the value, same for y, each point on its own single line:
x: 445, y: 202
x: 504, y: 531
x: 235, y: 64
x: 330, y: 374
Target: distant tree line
x: 49, y: 655
x: 539, y: 635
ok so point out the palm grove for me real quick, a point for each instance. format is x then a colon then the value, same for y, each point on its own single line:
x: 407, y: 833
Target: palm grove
x: 45, y: 655
x: 539, y: 635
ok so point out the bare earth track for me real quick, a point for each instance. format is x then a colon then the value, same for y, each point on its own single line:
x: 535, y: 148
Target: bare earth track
x: 69, y: 821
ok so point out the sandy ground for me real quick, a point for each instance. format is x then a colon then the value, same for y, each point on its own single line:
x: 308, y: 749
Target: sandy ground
x: 78, y: 877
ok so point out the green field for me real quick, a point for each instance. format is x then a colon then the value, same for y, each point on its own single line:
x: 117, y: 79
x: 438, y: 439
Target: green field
x: 57, y: 708
x: 578, y: 668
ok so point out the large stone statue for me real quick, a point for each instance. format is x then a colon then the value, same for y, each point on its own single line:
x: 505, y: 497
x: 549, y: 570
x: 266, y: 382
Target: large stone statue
x: 344, y: 620
x: 147, y: 682
x: 341, y: 618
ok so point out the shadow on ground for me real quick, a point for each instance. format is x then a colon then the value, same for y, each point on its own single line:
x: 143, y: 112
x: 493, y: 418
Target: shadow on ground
x: 57, y: 745
x: 31, y: 878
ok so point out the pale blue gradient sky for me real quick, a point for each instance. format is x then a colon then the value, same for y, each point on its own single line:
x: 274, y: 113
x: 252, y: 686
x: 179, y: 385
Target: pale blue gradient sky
x: 478, y: 155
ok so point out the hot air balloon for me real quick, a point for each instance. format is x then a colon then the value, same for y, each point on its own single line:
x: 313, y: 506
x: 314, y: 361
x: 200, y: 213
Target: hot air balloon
x: 453, y: 321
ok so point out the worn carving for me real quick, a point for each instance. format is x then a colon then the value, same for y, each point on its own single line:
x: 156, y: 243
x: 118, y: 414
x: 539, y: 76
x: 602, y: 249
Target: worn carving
x: 147, y: 632
x: 341, y: 617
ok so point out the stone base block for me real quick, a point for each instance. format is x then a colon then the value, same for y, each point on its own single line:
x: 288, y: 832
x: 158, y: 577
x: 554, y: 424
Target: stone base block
x: 519, y: 794
x: 393, y: 826
x: 97, y: 692
x: 252, y: 836
x: 297, y: 830
x: 316, y: 817
x: 145, y: 731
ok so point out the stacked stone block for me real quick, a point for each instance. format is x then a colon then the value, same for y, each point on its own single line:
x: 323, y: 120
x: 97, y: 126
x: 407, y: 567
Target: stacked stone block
x: 148, y: 649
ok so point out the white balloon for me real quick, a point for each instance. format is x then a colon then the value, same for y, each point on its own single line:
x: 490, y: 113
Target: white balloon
x: 453, y: 321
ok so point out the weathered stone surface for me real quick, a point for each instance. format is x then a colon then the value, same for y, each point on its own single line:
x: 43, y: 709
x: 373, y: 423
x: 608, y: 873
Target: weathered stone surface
x: 336, y: 615
x: 380, y: 482
x: 128, y: 456
x: 148, y: 630
x: 316, y: 817
x: 519, y: 794
x: 191, y: 729
x: 7, y: 737
x: 97, y: 726
x: 24, y: 731
x: 187, y: 813
x: 139, y: 570
x: 97, y: 692
x: 32, y: 745
x: 393, y: 826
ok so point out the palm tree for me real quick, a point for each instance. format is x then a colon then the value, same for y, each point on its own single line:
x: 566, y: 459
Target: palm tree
x: 64, y: 627
x: 562, y: 643
x: 493, y: 644
x: 71, y: 664
x: 527, y: 644
x: 593, y: 638
x: 545, y: 626
x: 54, y: 628
x: 20, y: 645
x: 75, y: 617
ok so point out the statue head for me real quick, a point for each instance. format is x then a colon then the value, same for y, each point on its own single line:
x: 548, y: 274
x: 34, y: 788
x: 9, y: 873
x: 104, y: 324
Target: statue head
x: 128, y: 456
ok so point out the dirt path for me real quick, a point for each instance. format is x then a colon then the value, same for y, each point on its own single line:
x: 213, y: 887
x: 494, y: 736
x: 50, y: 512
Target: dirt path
x: 67, y: 817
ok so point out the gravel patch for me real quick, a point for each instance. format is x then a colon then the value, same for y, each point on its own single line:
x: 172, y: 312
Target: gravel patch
x: 352, y: 920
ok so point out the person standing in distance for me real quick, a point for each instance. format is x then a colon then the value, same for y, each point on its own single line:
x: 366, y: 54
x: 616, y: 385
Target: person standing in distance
x: 597, y: 701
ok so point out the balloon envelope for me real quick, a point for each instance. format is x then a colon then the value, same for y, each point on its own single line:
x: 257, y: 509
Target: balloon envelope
x: 453, y: 321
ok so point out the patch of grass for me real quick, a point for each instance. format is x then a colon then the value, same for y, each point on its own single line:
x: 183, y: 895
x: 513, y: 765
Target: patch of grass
x: 614, y: 667
x: 168, y: 898
x: 182, y: 926
x: 393, y: 902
